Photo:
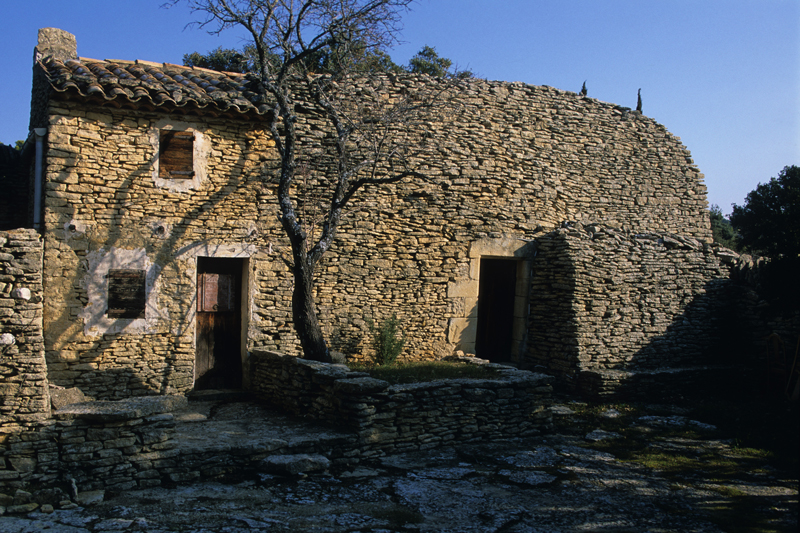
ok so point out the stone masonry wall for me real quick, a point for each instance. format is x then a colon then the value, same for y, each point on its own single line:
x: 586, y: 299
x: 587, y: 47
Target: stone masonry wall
x: 514, y: 162
x: 24, y: 396
x: 516, y: 159
x: 406, y: 417
x: 95, y: 445
x: 756, y: 315
x: 105, y: 211
x: 636, y: 301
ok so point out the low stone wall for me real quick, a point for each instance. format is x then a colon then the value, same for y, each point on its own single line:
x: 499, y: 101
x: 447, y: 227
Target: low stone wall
x: 663, y: 384
x: 24, y: 397
x: 635, y: 301
x: 413, y: 416
x: 98, y: 445
x: 760, y: 312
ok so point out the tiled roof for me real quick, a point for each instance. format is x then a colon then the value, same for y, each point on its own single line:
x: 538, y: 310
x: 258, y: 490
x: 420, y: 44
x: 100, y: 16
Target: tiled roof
x: 145, y: 85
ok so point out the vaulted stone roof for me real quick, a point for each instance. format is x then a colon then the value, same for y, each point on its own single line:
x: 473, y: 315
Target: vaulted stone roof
x: 154, y: 86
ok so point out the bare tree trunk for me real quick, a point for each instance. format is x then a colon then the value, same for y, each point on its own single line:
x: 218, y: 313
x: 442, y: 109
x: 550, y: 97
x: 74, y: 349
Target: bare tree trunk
x: 304, y: 314
x: 371, y: 147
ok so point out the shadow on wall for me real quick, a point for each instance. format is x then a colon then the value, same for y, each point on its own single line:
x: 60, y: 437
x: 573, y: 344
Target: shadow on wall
x: 156, y: 361
x: 606, y: 303
x: 703, y: 344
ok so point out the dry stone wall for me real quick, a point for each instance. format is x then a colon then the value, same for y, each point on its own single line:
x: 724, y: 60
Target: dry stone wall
x: 513, y: 162
x: 104, y: 210
x: 635, y: 301
x: 92, y: 446
x: 515, y: 159
x: 406, y: 417
x: 24, y: 397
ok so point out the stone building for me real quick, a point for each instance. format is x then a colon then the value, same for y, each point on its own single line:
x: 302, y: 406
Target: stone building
x: 554, y: 231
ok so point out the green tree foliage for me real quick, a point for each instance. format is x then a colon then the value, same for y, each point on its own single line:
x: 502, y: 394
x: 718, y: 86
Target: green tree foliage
x: 723, y: 231
x: 224, y: 60
x: 360, y: 58
x: 427, y: 61
x: 769, y: 224
x: 325, y: 61
x: 769, y: 220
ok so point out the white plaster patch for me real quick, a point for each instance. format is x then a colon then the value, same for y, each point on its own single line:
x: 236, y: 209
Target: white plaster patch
x: 95, y: 321
x: 202, y: 249
x: 201, y: 148
x: 74, y: 229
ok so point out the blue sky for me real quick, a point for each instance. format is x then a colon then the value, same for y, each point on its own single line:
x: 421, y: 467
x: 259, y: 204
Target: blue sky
x: 723, y: 75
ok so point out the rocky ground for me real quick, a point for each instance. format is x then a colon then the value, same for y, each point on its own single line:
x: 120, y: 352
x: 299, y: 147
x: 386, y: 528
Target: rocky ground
x: 606, y: 469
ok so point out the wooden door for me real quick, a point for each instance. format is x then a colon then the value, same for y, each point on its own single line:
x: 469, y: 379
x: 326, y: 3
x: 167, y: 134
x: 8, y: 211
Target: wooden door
x: 218, y: 362
x: 496, y: 294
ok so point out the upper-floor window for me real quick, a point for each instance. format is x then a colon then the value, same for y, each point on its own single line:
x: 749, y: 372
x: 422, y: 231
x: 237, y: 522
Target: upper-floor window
x: 175, y: 154
x: 180, y: 156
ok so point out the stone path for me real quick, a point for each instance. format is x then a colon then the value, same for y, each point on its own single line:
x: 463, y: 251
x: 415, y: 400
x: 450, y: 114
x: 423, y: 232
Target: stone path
x: 210, y: 426
x: 557, y: 483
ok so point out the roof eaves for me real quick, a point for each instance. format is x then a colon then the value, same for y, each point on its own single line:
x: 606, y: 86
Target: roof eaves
x: 137, y: 85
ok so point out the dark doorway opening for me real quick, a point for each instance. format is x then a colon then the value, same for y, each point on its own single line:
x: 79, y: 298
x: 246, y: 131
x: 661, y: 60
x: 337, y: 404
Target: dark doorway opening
x: 496, y: 295
x: 218, y: 359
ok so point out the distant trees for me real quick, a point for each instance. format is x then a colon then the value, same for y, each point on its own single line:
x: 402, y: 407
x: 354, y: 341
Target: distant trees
x: 721, y: 228
x: 364, y: 59
x: 769, y: 224
x: 427, y: 61
x: 224, y: 59
x: 769, y: 221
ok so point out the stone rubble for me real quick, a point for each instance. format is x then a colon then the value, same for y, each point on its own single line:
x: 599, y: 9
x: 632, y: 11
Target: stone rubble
x: 547, y: 484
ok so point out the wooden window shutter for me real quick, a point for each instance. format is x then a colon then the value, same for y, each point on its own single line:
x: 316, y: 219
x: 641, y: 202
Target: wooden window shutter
x: 215, y: 293
x: 126, y: 294
x: 175, y: 159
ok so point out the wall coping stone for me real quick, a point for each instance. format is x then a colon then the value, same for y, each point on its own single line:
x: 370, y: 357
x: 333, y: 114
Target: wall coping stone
x: 360, y: 385
x: 127, y: 409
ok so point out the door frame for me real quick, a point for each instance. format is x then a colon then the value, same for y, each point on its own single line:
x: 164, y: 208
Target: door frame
x: 462, y: 294
x: 244, y: 298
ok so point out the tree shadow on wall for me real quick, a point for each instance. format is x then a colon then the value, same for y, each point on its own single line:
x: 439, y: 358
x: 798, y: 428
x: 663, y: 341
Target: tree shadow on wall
x: 64, y: 331
x: 346, y: 341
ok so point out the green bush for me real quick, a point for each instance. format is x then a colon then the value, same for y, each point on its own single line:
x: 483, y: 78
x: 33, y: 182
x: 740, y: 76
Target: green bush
x: 385, y: 341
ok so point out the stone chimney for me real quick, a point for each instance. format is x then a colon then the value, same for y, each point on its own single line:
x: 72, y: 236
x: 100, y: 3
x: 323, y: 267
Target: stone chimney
x: 55, y: 43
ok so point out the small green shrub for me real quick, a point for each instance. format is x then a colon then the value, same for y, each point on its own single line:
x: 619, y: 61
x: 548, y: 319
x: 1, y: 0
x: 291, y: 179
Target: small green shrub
x: 385, y: 341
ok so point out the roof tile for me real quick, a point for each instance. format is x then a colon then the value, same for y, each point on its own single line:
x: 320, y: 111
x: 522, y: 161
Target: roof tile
x: 155, y: 86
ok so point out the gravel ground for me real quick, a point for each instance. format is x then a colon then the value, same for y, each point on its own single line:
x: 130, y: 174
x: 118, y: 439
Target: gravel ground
x: 561, y: 482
